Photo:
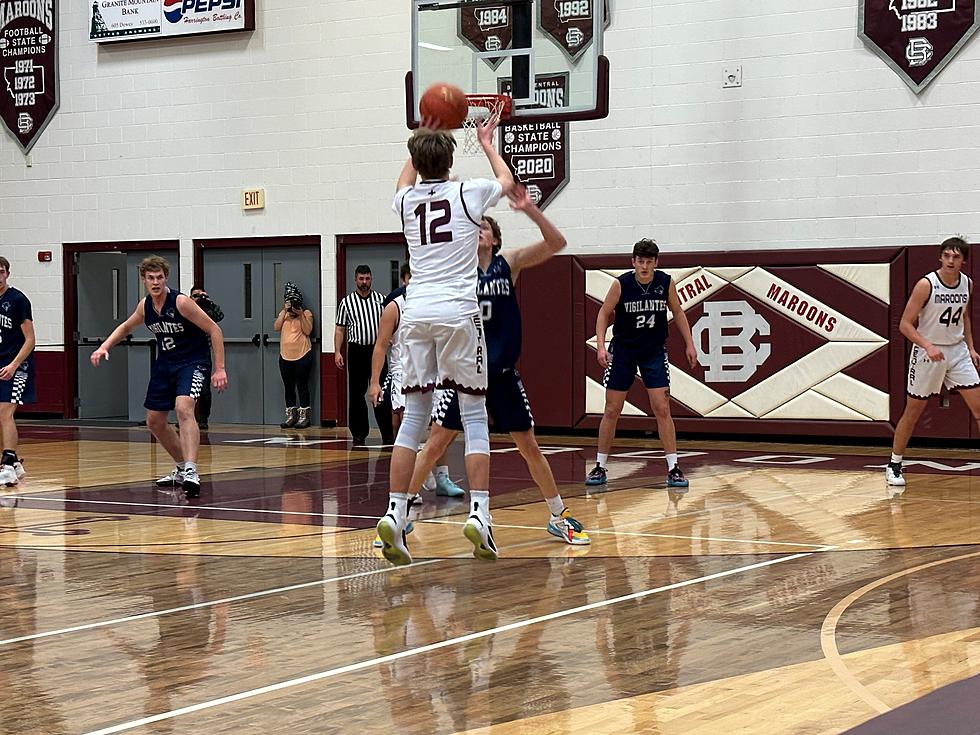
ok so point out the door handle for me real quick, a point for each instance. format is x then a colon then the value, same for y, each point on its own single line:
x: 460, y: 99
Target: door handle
x: 255, y: 339
x: 265, y: 340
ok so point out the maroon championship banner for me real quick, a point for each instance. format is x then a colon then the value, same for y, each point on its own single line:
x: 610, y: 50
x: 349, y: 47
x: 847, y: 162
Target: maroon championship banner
x: 487, y: 28
x: 29, y: 63
x: 917, y: 38
x: 569, y: 23
x: 537, y: 152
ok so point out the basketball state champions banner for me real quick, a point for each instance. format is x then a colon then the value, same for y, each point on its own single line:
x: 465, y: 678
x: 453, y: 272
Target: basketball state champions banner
x: 917, y: 38
x: 29, y: 62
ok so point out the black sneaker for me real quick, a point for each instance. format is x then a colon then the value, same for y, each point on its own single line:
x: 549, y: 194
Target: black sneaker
x: 597, y: 476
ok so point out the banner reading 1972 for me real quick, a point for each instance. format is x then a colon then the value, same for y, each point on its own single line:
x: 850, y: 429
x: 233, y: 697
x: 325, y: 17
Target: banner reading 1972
x: 917, y: 38
x: 28, y: 67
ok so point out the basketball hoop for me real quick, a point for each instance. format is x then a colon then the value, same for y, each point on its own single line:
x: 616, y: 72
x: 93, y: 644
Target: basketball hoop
x: 483, y: 107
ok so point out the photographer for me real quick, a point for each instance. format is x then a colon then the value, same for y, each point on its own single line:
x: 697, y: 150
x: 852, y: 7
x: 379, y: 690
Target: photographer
x: 214, y: 312
x: 295, y: 325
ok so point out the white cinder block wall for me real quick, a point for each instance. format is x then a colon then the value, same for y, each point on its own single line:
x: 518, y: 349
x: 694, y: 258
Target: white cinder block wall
x: 822, y: 146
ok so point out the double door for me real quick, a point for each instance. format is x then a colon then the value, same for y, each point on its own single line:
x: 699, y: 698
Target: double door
x: 108, y: 286
x: 247, y: 283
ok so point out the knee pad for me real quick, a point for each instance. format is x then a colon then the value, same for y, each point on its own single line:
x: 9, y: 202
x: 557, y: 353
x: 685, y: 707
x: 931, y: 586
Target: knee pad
x: 415, y: 420
x: 473, y: 413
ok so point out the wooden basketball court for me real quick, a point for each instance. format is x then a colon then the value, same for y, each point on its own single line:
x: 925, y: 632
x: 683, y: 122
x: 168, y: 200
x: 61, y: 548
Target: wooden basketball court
x: 787, y: 592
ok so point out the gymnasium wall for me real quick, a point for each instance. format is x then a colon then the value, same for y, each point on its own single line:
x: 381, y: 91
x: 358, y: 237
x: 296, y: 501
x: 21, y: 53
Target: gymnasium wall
x: 822, y: 147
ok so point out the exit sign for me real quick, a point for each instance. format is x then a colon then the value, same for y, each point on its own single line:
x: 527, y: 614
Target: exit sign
x: 253, y: 199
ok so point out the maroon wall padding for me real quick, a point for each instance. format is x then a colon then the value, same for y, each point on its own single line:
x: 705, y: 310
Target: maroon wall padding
x: 329, y: 380
x: 545, y: 295
x: 555, y: 364
x: 49, y: 381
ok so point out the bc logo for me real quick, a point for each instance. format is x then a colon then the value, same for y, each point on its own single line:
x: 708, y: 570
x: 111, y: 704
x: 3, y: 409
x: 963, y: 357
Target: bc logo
x: 730, y: 356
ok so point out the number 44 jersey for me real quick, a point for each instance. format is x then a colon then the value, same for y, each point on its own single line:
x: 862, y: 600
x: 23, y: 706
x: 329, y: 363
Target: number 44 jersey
x: 941, y: 319
x: 441, y: 222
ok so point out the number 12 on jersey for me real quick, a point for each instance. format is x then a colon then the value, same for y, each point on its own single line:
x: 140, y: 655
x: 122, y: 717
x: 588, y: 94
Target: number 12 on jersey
x: 437, y: 231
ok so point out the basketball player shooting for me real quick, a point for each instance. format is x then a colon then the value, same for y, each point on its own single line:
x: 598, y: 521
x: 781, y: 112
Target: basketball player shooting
x: 441, y: 327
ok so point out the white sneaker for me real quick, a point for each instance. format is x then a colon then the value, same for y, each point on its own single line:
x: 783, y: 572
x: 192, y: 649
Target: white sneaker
x: 893, y: 474
x: 391, y: 531
x: 479, y: 532
x: 8, y: 476
x: 175, y: 478
x: 19, y: 469
x: 430, y: 483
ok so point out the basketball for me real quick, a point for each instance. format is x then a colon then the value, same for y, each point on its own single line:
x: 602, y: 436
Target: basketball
x: 445, y: 103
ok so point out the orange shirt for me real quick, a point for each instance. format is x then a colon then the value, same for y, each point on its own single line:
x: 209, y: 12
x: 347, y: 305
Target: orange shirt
x: 293, y: 344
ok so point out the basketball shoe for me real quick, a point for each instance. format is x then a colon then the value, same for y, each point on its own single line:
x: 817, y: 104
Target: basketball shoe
x: 893, y: 474
x: 597, y: 476
x: 175, y: 478
x: 447, y: 488
x: 191, y: 484
x: 568, y: 529
x: 675, y: 478
x: 479, y: 531
x: 8, y: 475
x: 19, y: 468
x: 414, y: 512
x: 391, y: 531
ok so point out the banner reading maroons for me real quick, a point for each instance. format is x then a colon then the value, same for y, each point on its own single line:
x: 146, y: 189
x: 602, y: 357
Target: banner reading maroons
x: 29, y: 66
x: 917, y: 38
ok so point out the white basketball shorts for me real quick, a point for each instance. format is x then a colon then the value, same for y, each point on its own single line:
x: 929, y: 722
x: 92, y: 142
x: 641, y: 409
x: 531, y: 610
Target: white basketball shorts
x: 926, y: 378
x: 446, y: 355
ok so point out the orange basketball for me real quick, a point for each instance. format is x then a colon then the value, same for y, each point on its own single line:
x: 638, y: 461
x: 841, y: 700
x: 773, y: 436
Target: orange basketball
x: 445, y: 103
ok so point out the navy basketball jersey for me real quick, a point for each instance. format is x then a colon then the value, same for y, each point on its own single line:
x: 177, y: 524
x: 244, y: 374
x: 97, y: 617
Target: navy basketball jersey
x: 15, y: 309
x: 178, y: 340
x: 501, y: 315
x: 641, y: 314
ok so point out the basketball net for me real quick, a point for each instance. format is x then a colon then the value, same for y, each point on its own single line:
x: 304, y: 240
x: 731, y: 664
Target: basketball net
x: 483, y: 107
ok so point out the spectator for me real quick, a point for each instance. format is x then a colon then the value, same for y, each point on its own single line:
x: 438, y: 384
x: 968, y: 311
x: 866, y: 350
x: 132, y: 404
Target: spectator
x: 358, y: 315
x: 295, y: 325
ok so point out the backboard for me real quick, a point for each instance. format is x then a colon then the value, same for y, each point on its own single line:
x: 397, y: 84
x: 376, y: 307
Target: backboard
x: 504, y: 46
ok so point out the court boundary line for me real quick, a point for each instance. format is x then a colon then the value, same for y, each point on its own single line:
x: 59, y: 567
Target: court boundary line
x: 369, y: 663
x: 208, y: 603
x: 828, y: 630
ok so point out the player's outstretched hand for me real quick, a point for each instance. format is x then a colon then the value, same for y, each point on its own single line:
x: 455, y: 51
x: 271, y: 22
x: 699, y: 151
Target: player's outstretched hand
x: 485, y: 130
x: 7, y: 371
x: 603, y: 355
x: 219, y: 380
x: 374, y: 393
x: 520, y: 200
x: 692, y: 356
x: 98, y: 355
x: 432, y: 123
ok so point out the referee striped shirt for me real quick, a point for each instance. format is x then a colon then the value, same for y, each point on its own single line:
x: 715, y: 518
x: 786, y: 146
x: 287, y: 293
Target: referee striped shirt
x: 360, y: 316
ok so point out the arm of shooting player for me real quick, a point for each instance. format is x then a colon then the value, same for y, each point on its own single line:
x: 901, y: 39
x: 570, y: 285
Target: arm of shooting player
x: 680, y: 319
x: 118, y: 334
x: 484, y: 133
x: 539, y: 252
x: 386, y: 328
x: 196, y: 316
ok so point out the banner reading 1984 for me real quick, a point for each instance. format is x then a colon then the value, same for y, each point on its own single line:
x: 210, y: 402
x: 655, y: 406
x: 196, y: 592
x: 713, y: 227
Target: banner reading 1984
x: 28, y: 67
x: 917, y: 38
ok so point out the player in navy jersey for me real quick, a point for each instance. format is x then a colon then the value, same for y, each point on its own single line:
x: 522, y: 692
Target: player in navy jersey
x: 937, y: 322
x: 638, y: 302
x: 182, y: 366
x: 16, y: 369
x: 507, y: 402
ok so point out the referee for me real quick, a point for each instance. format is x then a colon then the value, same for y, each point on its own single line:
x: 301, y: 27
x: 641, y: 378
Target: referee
x: 358, y: 315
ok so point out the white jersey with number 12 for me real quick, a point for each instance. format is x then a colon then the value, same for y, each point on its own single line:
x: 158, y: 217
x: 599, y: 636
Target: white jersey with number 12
x: 441, y: 222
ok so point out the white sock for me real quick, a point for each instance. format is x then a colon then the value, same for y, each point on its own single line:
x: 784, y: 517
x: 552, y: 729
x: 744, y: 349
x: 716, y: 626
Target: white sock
x: 398, y: 505
x: 896, y: 458
x: 671, y: 461
x: 480, y: 502
x: 600, y: 459
x: 442, y: 470
x: 555, y: 505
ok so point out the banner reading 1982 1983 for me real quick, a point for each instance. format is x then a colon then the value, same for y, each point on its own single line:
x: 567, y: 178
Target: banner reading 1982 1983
x: 28, y: 67
x: 917, y: 38
x: 124, y: 20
